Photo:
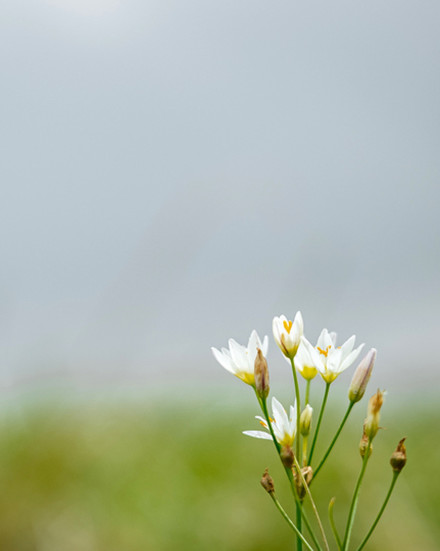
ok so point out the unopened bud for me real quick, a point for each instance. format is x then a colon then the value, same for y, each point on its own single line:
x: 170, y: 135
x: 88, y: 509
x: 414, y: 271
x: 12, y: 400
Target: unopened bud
x: 398, y: 458
x: 306, y: 420
x: 365, y: 445
x: 307, y: 474
x: 261, y: 374
x: 267, y: 482
x: 373, y: 415
x: 287, y: 456
x: 361, y: 377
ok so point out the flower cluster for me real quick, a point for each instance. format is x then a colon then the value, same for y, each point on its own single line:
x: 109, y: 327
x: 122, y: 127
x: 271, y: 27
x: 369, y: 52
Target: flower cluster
x: 290, y: 432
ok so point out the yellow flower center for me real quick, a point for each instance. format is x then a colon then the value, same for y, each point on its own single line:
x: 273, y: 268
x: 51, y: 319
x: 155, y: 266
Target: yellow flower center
x: 324, y: 352
x: 288, y: 325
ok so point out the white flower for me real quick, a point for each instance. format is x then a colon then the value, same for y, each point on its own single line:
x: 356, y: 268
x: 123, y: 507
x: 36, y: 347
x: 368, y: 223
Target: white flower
x: 288, y: 333
x: 304, y: 362
x: 240, y: 360
x: 328, y: 359
x: 284, y: 427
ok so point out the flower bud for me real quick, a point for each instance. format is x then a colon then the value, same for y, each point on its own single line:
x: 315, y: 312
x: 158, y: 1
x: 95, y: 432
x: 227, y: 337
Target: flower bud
x: 287, y: 456
x: 363, y: 446
x: 305, y: 420
x: 307, y: 473
x: 398, y: 458
x: 261, y: 374
x: 267, y: 482
x: 361, y: 377
x: 373, y: 415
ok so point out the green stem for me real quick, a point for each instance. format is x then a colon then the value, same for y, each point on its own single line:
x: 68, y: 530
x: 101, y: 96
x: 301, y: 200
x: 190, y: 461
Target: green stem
x: 315, y: 510
x: 299, y: 524
x: 355, y: 499
x: 382, y: 509
x: 332, y: 523
x: 338, y: 432
x: 298, y: 502
x: 315, y: 437
x: 298, y: 407
x: 289, y: 522
x: 263, y: 405
x: 304, y: 455
x: 307, y: 391
x: 298, y: 443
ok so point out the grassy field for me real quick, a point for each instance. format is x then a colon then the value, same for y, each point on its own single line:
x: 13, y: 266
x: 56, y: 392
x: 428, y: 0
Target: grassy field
x: 110, y: 476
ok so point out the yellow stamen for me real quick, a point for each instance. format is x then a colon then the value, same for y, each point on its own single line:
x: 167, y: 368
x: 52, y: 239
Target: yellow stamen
x: 324, y: 352
x: 288, y: 325
x: 264, y: 424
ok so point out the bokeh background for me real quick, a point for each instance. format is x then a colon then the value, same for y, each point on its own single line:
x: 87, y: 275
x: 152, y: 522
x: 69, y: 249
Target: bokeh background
x: 175, y: 174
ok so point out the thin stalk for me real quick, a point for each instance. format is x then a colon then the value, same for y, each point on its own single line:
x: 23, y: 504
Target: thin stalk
x: 299, y: 523
x: 315, y: 437
x: 315, y: 510
x: 263, y: 405
x: 332, y: 523
x: 307, y: 392
x: 289, y: 522
x: 298, y: 406
x: 355, y: 499
x: 298, y: 443
x: 333, y: 442
x: 304, y: 516
x: 382, y: 509
x: 304, y: 454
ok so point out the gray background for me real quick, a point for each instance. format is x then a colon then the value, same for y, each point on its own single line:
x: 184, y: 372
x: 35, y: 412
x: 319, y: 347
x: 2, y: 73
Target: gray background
x: 175, y: 173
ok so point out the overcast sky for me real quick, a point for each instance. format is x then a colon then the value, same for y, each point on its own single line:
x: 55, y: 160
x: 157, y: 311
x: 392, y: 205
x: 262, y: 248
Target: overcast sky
x: 175, y: 173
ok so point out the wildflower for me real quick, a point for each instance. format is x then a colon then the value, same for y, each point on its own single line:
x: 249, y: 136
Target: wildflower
x: 330, y: 360
x: 240, y: 360
x: 288, y: 334
x: 373, y: 415
x: 361, y: 377
x: 284, y: 427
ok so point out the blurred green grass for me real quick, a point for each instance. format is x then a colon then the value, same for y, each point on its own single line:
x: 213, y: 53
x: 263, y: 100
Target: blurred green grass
x: 110, y: 476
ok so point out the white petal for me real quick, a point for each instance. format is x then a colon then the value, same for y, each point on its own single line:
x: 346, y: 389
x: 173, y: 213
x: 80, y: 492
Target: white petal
x: 322, y: 339
x: 347, y: 347
x: 298, y: 324
x: 328, y: 339
x: 315, y: 356
x: 334, y: 359
x: 238, y: 355
x: 279, y: 414
x: 265, y: 345
x: 254, y: 343
x: 276, y: 330
x: 258, y: 434
x: 223, y: 360
x: 292, y: 427
x: 351, y: 357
